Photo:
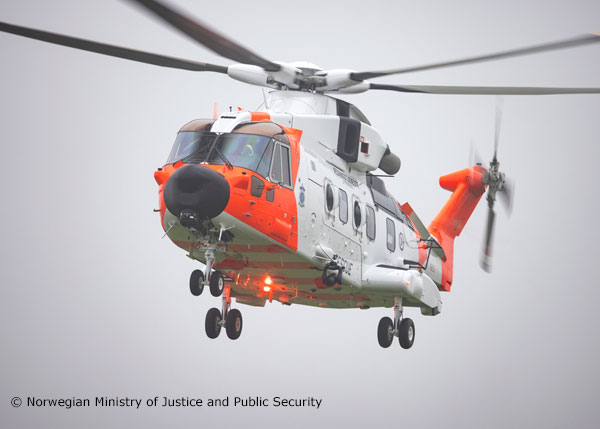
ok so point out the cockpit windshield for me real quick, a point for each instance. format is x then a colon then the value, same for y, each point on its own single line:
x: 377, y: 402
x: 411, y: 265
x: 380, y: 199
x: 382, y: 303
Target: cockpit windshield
x: 242, y: 150
x: 191, y: 147
x: 249, y: 151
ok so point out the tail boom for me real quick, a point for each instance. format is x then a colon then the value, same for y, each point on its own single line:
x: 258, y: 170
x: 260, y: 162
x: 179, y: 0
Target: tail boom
x: 467, y: 187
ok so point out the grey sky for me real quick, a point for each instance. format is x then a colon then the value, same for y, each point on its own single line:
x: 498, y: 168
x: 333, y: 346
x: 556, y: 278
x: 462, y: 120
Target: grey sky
x: 95, y: 303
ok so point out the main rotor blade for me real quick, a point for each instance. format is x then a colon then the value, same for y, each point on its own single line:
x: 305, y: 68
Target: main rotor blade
x: 486, y: 257
x: 483, y: 90
x: 562, y: 44
x: 206, y: 36
x: 111, y: 50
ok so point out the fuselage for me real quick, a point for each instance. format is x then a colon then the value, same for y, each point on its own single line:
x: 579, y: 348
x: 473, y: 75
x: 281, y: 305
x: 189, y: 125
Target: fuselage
x: 302, y: 194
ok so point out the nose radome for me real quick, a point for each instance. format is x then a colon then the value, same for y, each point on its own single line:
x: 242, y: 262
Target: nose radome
x: 196, y: 189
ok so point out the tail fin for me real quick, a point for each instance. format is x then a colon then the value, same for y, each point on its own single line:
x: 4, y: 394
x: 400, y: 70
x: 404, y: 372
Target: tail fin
x: 467, y: 187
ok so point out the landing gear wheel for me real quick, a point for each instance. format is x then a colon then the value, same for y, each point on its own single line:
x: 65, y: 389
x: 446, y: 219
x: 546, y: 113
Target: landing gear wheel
x: 196, y: 280
x: 217, y: 283
x: 385, y: 334
x: 406, y: 336
x: 233, y: 324
x: 212, y: 325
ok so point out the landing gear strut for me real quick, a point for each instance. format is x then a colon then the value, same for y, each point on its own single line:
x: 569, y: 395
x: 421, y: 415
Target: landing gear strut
x: 216, y: 281
x: 230, y: 318
x: 404, y: 329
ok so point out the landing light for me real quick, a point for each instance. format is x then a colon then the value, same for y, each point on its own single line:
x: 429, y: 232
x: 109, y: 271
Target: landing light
x: 267, y: 288
x: 268, y: 280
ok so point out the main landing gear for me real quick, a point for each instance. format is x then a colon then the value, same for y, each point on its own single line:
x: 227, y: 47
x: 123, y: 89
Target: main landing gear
x: 404, y: 329
x: 227, y: 317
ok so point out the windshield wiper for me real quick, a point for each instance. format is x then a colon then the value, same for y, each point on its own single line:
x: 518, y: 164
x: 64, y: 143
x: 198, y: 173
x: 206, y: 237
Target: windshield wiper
x: 224, y: 158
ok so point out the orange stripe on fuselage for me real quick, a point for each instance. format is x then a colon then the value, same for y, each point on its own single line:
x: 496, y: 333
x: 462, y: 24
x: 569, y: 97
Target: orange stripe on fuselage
x: 255, y: 248
x: 238, y: 264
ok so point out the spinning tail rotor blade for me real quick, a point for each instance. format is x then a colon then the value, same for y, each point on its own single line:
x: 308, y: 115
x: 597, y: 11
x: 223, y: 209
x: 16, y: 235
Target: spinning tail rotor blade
x: 506, y: 195
x: 561, y: 44
x: 206, y: 36
x: 474, y: 157
x: 482, y: 90
x: 486, y: 257
x: 111, y: 50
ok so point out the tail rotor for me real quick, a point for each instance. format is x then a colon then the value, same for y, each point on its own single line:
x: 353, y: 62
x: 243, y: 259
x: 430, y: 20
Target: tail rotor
x: 498, y: 185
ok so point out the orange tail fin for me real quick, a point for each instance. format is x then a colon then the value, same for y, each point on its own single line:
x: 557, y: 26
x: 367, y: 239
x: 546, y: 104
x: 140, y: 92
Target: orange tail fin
x: 467, y: 187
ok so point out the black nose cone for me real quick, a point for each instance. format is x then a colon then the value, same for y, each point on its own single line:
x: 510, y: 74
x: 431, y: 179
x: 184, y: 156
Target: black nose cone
x: 197, y: 189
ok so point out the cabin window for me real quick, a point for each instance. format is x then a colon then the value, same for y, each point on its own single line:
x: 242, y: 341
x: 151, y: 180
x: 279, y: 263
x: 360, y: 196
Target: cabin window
x: 280, y: 167
x: 343, y: 206
x: 391, y: 234
x: 329, y: 197
x: 357, y: 215
x: 370, y: 223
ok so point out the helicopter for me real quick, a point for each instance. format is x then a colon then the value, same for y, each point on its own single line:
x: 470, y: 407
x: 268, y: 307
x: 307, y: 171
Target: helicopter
x: 286, y: 204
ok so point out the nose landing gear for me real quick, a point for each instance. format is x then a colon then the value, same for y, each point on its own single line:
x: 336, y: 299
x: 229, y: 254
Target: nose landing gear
x: 216, y: 283
x: 404, y: 329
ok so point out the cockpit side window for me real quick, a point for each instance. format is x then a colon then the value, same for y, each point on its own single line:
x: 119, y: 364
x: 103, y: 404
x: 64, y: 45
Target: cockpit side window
x: 285, y: 166
x: 276, y: 165
x: 280, y: 167
x: 265, y: 161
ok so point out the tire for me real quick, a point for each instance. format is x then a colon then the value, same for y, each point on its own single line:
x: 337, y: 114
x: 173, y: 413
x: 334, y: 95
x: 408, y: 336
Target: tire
x: 196, y: 279
x: 407, y: 333
x: 384, y: 332
x: 329, y: 279
x: 216, y: 284
x: 211, y: 324
x: 233, y: 324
